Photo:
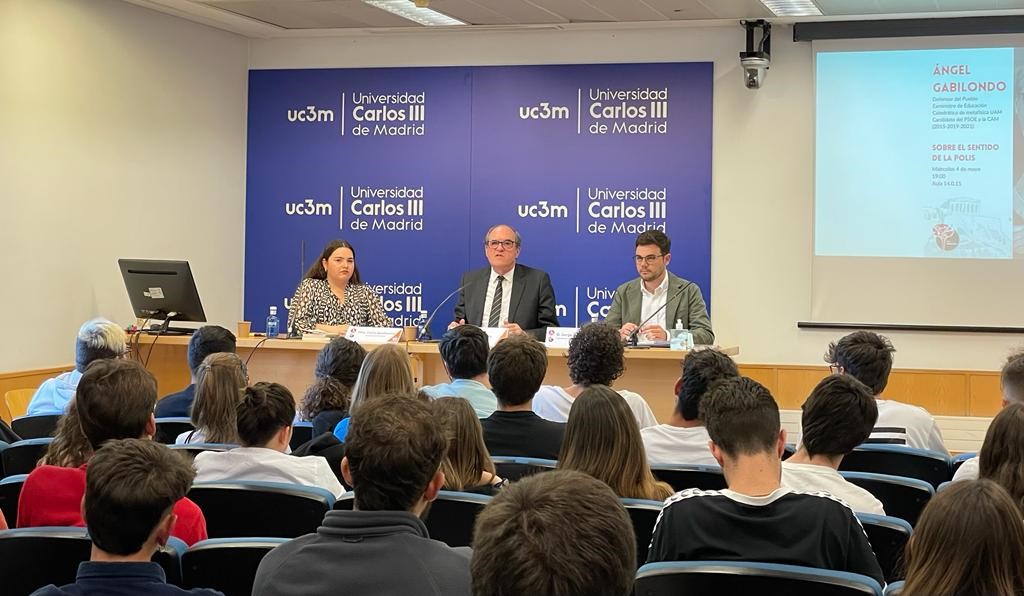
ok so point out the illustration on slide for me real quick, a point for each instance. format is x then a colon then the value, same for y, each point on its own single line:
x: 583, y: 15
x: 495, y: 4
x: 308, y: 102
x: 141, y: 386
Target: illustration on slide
x: 957, y: 229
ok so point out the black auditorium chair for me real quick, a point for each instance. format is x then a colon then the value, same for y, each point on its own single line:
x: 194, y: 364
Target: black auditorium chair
x: 225, y: 564
x: 168, y: 429
x: 302, y: 433
x: 35, y: 427
x: 10, y: 491
x: 735, y: 577
x: 451, y: 516
x: 958, y: 460
x: 194, y: 449
x: 904, y: 498
x: 898, y: 460
x: 517, y: 468
x: 888, y: 537
x: 643, y: 514
x: 244, y: 509
x: 31, y: 558
x: 21, y: 457
x: 684, y: 476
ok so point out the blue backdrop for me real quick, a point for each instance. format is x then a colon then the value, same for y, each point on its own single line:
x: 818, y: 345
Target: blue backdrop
x: 413, y: 165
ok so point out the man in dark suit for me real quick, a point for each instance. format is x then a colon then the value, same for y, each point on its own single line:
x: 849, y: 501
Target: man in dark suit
x: 506, y: 294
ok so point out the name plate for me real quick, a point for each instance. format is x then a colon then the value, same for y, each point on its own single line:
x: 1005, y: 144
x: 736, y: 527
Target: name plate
x: 559, y: 337
x: 495, y: 334
x: 374, y: 335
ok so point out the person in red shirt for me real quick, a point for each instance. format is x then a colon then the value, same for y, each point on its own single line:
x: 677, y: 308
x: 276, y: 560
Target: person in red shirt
x: 115, y: 400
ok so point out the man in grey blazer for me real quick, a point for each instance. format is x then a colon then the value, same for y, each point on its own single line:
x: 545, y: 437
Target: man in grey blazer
x: 638, y: 299
x: 506, y: 294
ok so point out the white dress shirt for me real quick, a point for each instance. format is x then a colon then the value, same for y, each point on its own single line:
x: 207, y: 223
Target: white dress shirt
x: 667, y: 444
x: 506, y: 293
x: 551, y: 402
x: 652, y: 301
x: 261, y: 464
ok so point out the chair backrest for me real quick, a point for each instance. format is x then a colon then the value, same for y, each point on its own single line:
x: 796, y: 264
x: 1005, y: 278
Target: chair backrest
x: 31, y: 558
x: 17, y: 401
x: 36, y: 427
x: 517, y: 468
x: 734, y: 577
x: 898, y: 460
x: 5, y: 412
x: 302, y: 433
x: 904, y: 498
x: 888, y: 537
x: 894, y: 589
x: 451, y: 516
x: 644, y: 514
x: 225, y: 564
x: 10, y: 492
x: 21, y: 457
x: 168, y: 557
x: 346, y: 502
x: 241, y: 509
x: 168, y: 429
x: 958, y: 460
x: 682, y: 477
x: 194, y: 449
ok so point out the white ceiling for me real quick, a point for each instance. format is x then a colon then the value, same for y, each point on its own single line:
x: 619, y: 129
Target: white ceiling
x: 271, y: 18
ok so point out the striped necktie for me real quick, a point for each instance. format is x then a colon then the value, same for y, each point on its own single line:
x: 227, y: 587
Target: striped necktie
x: 495, y: 317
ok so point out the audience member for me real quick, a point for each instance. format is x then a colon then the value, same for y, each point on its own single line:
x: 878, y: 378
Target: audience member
x: 115, y: 400
x: 70, y: 448
x: 559, y: 533
x: 464, y: 354
x: 516, y: 368
x: 393, y: 459
x: 837, y: 416
x: 1002, y: 453
x: 595, y: 357
x: 467, y: 467
x: 97, y: 338
x: 602, y: 439
x: 757, y: 519
x: 265, y: 417
x: 867, y: 357
x: 327, y: 401
x: 208, y: 339
x: 219, y: 384
x: 385, y: 371
x: 969, y: 541
x: 684, y: 440
x: 130, y: 491
x: 1011, y: 382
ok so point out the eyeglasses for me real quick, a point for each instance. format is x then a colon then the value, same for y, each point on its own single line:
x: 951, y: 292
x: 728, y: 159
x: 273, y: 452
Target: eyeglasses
x: 648, y: 259
x: 494, y: 244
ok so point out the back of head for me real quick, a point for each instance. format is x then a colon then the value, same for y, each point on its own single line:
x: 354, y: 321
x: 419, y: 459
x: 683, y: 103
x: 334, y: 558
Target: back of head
x: 701, y: 368
x: 1002, y: 453
x: 464, y: 351
x: 595, y: 355
x: 560, y: 533
x: 384, y: 371
x: 394, y: 447
x: 968, y: 541
x: 265, y: 409
x: 837, y: 416
x: 865, y: 355
x: 337, y: 368
x: 115, y: 400
x: 1011, y: 379
x: 219, y: 383
x: 130, y: 486
x: 741, y: 417
x: 208, y: 339
x: 466, y: 459
x: 98, y: 338
x: 516, y: 369
x: 70, y: 447
x: 602, y: 438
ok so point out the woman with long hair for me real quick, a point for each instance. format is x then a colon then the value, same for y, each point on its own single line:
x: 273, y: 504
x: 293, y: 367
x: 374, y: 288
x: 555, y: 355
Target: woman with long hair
x: 385, y: 371
x: 333, y: 296
x: 602, y: 438
x: 1002, y: 454
x: 70, y: 448
x: 327, y: 400
x: 969, y: 541
x: 467, y: 466
x: 220, y: 380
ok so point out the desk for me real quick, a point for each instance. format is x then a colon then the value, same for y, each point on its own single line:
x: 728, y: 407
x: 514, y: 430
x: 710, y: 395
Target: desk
x: 650, y: 372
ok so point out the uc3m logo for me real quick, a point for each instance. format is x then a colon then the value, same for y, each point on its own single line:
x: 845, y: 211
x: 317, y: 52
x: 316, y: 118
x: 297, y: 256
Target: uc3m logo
x: 544, y: 111
x: 308, y: 207
x: 543, y: 209
x: 310, y: 114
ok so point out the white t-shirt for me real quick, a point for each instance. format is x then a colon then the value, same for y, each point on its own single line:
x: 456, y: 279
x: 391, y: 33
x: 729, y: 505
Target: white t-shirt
x: 968, y: 470
x: 667, y: 444
x: 261, y: 464
x: 904, y: 424
x: 553, y: 403
x: 812, y: 478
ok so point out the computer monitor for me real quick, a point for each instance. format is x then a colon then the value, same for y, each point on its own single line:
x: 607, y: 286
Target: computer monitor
x: 162, y: 290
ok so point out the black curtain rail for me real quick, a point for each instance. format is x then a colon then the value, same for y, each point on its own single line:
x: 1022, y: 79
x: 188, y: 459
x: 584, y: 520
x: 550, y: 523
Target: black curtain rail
x: 907, y: 28
x: 901, y: 327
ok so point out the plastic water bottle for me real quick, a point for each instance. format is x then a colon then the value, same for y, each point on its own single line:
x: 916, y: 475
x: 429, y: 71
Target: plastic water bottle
x: 273, y: 324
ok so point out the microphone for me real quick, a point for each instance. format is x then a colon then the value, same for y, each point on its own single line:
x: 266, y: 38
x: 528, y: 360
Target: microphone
x: 633, y: 338
x: 424, y: 334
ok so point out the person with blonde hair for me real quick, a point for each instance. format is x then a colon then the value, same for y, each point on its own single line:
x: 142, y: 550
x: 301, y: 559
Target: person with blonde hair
x: 602, y: 438
x: 467, y: 466
x: 220, y: 380
x: 968, y: 541
x: 385, y: 371
x: 97, y: 338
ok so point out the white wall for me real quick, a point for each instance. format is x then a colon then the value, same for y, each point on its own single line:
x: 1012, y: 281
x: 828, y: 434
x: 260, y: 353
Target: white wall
x: 122, y: 134
x: 762, y: 179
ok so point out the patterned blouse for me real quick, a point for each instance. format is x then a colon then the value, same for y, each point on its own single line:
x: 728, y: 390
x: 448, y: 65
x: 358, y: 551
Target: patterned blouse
x: 314, y: 303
